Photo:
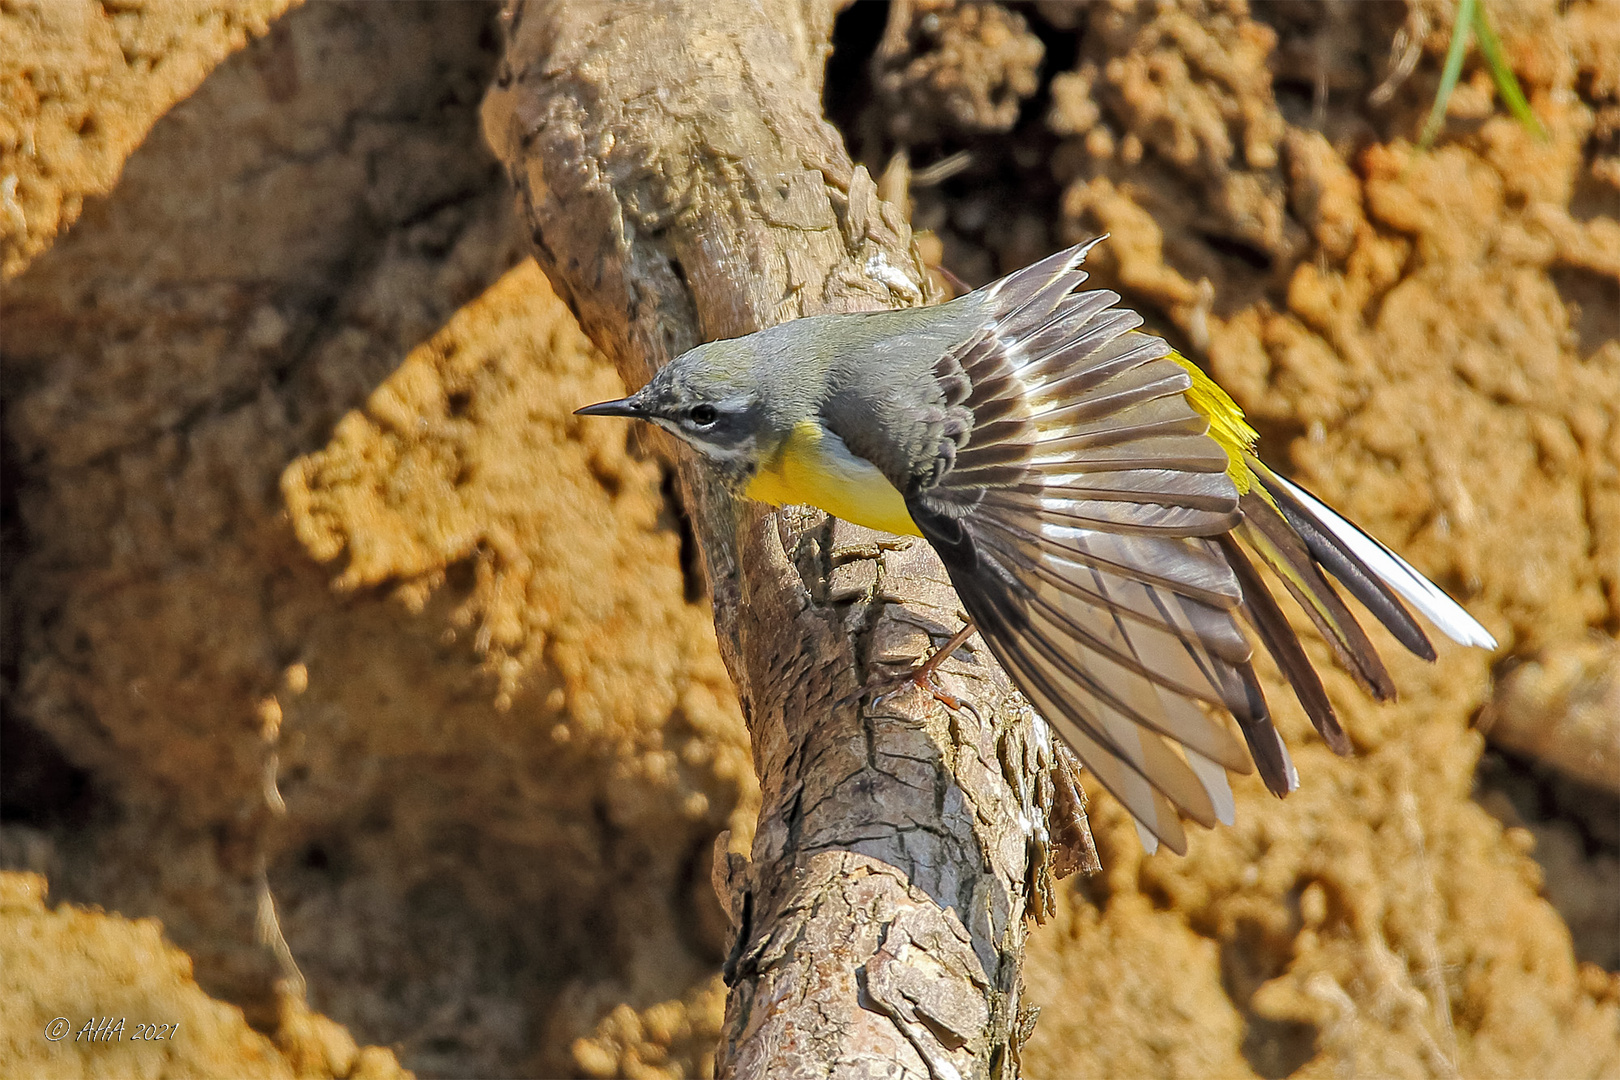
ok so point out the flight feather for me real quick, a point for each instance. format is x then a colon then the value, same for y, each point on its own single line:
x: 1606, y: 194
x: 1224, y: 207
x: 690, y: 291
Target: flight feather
x: 1100, y: 535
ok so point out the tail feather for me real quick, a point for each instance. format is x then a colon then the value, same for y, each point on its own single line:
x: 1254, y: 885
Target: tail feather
x: 1339, y: 560
x: 1271, y: 626
x: 1378, y: 561
x: 1269, y: 535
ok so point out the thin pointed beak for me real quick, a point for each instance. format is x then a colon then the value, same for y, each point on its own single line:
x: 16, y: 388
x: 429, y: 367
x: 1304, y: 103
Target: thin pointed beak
x: 621, y: 407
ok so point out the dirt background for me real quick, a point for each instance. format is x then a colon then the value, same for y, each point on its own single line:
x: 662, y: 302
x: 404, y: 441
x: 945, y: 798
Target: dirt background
x: 361, y: 707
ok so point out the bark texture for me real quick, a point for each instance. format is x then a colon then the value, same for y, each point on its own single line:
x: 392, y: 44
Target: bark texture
x: 679, y: 185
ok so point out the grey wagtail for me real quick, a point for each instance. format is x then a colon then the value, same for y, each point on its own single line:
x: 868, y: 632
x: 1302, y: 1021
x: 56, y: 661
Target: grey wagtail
x: 1096, y: 500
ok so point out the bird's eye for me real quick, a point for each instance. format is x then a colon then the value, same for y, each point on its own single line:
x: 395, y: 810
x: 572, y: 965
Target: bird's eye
x: 702, y: 415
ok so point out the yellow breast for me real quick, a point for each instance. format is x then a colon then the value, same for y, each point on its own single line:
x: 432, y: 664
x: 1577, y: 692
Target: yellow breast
x: 815, y: 468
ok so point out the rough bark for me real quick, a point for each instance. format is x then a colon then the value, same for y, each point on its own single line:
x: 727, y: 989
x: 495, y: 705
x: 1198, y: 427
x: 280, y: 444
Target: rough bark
x: 680, y: 185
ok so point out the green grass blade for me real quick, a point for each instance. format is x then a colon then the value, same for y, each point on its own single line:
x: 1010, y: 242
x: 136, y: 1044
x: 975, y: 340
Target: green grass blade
x: 1461, y: 30
x: 1506, y: 84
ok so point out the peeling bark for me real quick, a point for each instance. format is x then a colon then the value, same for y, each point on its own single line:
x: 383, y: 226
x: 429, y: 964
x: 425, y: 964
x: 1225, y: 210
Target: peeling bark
x: 680, y: 185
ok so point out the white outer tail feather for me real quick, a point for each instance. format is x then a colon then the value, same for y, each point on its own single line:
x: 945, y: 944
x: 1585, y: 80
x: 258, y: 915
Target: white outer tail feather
x: 1423, y: 594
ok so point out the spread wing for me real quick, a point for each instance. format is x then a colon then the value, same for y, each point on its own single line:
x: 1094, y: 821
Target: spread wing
x: 1091, y: 526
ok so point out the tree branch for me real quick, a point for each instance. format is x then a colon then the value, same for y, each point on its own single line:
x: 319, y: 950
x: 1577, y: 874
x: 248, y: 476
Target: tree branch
x: 680, y: 185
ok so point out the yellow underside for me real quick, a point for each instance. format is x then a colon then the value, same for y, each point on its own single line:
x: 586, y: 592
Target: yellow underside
x: 813, y: 468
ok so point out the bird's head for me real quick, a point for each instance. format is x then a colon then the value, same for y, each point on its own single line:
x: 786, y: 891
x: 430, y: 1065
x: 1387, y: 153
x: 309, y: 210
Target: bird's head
x: 708, y: 397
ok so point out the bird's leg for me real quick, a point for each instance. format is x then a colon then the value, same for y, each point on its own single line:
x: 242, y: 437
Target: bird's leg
x: 922, y: 676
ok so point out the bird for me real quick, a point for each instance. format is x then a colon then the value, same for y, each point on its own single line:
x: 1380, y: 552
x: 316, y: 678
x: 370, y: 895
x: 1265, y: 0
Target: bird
x: 1097, y: 502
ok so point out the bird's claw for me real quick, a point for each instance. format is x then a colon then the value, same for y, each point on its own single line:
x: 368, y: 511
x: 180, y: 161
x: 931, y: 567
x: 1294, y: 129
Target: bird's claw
x: 924, y: 677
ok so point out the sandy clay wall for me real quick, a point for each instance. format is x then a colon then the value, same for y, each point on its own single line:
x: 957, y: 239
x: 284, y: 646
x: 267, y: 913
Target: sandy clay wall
x: 362, y: 710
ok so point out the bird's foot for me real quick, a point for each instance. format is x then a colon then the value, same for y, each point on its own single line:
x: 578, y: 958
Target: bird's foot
x: 922, y: 678
x: 925, y: 676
